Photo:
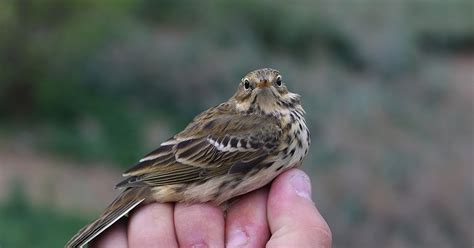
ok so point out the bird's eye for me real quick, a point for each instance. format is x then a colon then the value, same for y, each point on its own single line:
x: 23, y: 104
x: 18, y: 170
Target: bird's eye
x: 246, y: 84
x: 278, y: 82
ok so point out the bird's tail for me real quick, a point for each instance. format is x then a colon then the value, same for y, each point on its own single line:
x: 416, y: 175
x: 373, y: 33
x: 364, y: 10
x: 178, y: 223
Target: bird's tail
x: 125, y: 202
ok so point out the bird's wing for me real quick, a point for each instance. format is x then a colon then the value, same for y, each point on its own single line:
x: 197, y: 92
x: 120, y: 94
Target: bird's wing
x: 215, y: 143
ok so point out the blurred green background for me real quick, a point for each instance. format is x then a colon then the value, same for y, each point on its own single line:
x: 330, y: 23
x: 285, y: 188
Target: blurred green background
x: 87, y: 87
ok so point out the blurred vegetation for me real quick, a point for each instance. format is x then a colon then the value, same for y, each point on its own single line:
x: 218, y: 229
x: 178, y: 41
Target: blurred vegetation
x: 79, y: 65
x: 91, y: 81
x: 24, y: 225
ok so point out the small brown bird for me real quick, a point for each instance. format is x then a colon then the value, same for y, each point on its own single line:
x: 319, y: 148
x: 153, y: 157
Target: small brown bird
x: 229, y: 150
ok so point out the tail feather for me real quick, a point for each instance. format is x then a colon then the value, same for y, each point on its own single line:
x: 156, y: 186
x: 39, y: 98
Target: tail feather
x: 125, y: 202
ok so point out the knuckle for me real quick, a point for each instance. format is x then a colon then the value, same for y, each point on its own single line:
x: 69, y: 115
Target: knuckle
x: 321, y: 234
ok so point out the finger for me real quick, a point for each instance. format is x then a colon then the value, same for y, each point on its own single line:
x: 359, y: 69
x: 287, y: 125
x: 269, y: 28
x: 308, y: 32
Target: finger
x: 293, y: 219
x: 152, y: 225
x: 114, y: 237
x: 246, y: 222
x: 199, y: 225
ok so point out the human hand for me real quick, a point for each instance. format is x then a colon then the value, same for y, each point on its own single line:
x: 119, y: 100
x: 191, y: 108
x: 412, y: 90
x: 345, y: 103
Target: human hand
x: 282, y: 216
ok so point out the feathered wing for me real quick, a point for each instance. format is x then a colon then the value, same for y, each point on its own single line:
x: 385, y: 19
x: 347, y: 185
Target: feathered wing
x: 121, y: 206
x: 215, y: 143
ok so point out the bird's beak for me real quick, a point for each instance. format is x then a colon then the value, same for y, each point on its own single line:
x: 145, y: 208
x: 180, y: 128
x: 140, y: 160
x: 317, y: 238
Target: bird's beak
x: 263, y: 84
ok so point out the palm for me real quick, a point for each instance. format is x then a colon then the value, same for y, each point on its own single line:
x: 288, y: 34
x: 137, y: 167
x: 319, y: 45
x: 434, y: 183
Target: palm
x: 261, y: 218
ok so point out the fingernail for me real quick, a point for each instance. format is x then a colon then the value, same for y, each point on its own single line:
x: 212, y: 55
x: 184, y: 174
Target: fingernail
x: 302, y: 185
x: 200, y: 245
x: 237, y: 238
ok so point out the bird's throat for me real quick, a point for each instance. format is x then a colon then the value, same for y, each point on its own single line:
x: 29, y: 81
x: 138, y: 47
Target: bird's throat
x: 266, y: 100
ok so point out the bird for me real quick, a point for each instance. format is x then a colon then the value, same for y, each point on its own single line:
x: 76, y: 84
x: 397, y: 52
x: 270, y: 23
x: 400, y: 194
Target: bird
x: 228, y: 150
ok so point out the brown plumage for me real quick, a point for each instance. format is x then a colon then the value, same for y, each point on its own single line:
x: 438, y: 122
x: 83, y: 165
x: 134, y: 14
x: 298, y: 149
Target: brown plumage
x: 226, y: 151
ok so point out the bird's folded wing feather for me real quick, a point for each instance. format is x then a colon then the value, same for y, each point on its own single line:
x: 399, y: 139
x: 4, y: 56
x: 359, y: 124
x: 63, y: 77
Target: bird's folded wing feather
x: 210, y: 145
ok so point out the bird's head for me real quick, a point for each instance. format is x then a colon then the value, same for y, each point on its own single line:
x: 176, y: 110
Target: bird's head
x: 263, y: 90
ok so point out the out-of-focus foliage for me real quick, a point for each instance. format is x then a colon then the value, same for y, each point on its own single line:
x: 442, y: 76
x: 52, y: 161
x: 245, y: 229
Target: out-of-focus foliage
x: 24, y: 225
x: 70, y: 66
x: 386, y: 84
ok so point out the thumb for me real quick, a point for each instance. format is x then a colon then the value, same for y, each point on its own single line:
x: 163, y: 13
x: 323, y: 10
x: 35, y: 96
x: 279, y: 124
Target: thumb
x: 293, y: 219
